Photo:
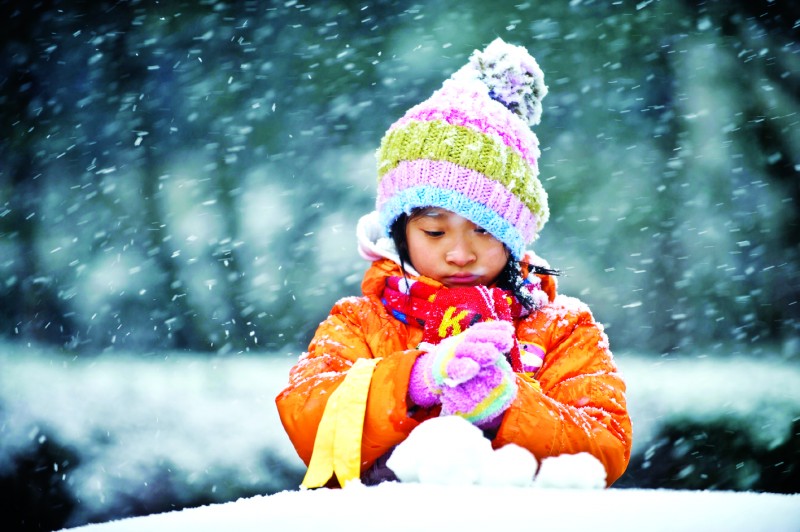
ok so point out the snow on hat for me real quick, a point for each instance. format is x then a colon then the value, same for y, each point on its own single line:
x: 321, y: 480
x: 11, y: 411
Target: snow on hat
x: 469, y: 149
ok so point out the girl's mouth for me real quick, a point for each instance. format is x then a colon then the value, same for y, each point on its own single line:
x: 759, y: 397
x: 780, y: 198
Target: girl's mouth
x: 462, y: 279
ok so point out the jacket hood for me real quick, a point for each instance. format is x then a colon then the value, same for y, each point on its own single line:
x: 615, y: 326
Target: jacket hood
x: 374, y: 244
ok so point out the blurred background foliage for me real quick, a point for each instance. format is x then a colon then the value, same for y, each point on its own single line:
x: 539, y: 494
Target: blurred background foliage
x: 187, y: 175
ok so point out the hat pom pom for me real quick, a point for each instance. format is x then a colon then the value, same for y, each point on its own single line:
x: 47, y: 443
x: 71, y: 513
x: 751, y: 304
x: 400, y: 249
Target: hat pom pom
x: 512, y: 76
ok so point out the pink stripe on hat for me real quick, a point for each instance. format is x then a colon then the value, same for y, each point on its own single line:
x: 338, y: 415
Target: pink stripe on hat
x: 450, y: 176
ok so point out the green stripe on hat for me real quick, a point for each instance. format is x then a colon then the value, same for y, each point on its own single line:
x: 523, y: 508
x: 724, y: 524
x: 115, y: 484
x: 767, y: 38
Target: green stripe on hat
x: 439, y: 141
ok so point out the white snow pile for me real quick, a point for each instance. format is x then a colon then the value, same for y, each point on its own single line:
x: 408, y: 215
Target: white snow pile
x: 575, y: 471
x: 161, y: 431
x: 395, y: 506
x: 453, y: 480
x: 451, y: 451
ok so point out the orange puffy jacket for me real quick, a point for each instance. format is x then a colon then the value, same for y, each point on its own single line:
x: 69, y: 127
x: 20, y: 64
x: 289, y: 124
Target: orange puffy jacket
x: 581, y: 405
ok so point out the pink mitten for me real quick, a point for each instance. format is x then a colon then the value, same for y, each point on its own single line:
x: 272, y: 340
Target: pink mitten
x: 468, y: 374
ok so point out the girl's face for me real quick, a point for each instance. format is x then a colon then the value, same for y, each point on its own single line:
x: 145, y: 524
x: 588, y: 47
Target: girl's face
x: 452, y: 250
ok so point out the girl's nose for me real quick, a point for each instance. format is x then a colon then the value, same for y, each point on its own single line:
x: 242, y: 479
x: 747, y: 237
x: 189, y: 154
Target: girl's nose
x: 460, y: 254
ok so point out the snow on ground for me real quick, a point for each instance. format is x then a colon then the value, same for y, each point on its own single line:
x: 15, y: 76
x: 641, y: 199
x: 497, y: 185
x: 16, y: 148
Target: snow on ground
x: 212, y: 419
x: 402, y: 507
x: 205, y: 423
x: 759, y: 394
x: 444, y: 465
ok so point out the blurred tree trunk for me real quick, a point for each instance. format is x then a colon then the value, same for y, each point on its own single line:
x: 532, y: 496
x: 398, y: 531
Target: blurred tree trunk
x: 29, y: 299
x: 174, y: 317
x: 764, y: 33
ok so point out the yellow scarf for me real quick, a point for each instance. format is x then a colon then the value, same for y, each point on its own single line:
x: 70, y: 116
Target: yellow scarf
x: 337, y: 447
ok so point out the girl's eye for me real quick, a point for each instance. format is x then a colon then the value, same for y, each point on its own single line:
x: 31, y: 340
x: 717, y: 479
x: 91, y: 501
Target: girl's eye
x: 434, y: 233
x: 481, y: 231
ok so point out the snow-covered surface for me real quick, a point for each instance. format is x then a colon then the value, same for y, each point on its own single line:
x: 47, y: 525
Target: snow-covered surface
x: 759, y: 396
x: 396, y: 506
x: 453, y: 480
x: 211, y: 421
x: 204, y: 423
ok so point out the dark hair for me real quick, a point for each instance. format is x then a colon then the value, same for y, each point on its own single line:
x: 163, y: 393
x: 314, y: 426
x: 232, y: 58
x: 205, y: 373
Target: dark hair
x: 397, y: 232
x: 510, y: 277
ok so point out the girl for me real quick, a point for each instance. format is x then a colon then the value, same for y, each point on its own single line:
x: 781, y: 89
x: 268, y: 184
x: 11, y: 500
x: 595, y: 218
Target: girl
x: 456, y: 318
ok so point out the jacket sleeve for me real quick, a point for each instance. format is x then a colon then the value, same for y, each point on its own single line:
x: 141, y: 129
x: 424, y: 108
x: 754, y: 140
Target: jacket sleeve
x: 356, y: 328
x: 581, y: 406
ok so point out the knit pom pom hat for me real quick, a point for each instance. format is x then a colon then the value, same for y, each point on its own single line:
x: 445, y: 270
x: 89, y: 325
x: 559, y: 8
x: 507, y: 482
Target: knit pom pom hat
x: 469, y: 149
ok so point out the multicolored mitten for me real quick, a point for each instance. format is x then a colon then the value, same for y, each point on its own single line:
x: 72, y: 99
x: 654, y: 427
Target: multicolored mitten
x: 468, y: 374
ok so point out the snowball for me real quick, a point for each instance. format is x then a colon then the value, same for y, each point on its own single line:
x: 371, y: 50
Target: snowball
x: 449, y: 450
x: 510, y: 465
x: 578, y: 471
x: 442, y: 450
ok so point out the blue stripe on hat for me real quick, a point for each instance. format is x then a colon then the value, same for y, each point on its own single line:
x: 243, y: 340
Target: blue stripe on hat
x: 479, y: 214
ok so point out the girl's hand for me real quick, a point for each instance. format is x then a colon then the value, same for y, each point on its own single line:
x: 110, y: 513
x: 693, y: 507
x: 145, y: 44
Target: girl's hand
x: 468, y: 374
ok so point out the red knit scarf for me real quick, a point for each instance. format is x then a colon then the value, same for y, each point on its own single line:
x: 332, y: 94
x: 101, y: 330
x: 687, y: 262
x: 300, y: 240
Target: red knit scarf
x: 444, y: 312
